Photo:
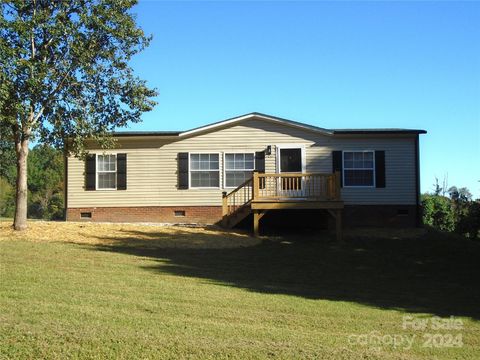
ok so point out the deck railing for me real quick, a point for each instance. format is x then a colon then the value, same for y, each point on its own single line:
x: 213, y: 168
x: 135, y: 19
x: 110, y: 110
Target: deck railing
x: 283, y: 187
x: 301, y: 186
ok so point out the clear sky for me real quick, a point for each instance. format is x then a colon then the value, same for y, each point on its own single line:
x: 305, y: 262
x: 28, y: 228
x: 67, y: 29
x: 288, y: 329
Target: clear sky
x: 330, y: 64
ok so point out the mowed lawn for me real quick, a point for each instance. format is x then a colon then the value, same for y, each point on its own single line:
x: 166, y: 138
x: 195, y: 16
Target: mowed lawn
x: 121, y: 291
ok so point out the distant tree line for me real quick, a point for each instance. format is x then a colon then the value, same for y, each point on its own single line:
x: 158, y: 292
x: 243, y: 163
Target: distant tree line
x: 45, y: 183
x: 452, y: 209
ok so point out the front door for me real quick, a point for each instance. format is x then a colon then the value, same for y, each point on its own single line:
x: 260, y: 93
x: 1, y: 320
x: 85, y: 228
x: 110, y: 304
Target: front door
x: 291, y: 161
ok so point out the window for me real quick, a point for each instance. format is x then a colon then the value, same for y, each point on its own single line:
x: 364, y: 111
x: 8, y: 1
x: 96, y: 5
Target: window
x: 86, y: 215
x: 238, y: 168
x: 179, y: 213
x: 106, y: 172
x: 358, y: 168
x: 204, y: 171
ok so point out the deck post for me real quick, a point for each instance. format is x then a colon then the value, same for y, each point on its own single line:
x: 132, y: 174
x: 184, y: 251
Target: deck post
x: 224, y: 208
x: 255, y: 185
x: 224, y: 204
x: 256, y: 221
x: 337, y: 185
x: 338, y: 224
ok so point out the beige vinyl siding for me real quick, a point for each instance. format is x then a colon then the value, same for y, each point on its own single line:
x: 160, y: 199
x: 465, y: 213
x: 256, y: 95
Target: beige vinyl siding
x: 152, y: 165
x: 399, y: 168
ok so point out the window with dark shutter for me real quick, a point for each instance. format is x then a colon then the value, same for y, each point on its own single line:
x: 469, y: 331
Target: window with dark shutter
x: 121, y: 171
x: 358, y: 168
x: 90, y: 172
x: 107, y: 172
x: 204, y: 170
x: 337, y: 164
x: 380, y: 181
x: 182, y: 159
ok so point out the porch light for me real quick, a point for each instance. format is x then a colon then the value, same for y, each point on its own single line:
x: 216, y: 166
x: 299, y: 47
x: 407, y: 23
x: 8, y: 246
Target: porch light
x: 268, y: 150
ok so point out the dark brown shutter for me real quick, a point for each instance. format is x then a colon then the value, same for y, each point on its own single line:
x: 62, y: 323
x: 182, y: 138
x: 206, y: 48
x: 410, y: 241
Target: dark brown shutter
x: 90, y: 169
x: 260, y: 161
x: 380, y: 169
x: 121, y: 171
x: 182, y: 159
x: 337, y: 164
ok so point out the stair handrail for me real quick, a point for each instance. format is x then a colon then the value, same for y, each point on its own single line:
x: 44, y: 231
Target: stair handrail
x: 229, y: 200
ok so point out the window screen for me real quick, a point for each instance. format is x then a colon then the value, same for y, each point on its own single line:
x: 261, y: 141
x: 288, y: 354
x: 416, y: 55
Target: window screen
x: 358, y: 168
x: 204, y: 170
x: 238, y: 168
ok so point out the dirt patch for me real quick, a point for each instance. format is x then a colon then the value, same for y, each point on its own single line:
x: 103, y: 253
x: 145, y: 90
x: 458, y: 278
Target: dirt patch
x: 147, y: 235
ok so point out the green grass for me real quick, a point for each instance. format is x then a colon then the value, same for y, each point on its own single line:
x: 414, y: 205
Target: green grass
x: 295, y: 298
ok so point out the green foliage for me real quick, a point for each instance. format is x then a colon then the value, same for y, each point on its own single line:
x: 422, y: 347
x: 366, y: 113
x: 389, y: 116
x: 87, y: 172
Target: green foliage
x: 7, y: 203
x: 455, y: 214
x: 45, y: 186
x: 8, y: 169
x: 64, y: 69
x: 459, y: 195
x: 438, y: 212
x: 469, y: 222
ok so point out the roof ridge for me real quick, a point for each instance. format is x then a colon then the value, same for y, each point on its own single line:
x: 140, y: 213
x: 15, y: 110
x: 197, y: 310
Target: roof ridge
x: 272, y: 118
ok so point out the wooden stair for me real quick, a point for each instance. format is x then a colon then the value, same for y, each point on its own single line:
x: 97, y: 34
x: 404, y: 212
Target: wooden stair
x: 238, y: 215
x: 237, y: 204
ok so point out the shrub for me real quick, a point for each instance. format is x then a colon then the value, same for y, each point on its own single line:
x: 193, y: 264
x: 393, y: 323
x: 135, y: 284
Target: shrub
x: 55, y: 208
x: 438, y: 212
x: 469, y: 222
x: 49, y: 209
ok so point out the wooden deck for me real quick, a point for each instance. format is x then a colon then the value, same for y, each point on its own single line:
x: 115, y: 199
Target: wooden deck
x: 266, y: 192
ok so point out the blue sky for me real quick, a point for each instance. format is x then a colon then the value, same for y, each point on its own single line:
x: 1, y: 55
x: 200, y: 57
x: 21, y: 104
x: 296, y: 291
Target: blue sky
x: 330, y: 64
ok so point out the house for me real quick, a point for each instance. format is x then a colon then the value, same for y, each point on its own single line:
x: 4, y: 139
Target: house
x: 253, y: 163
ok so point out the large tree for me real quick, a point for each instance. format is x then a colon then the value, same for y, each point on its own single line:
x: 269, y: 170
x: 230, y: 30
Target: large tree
x: 64, y: 76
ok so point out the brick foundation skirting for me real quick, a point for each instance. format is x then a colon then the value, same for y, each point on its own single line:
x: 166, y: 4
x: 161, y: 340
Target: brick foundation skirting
x: 353, y: 215
x: 380, y: 216
x: 154, y: 214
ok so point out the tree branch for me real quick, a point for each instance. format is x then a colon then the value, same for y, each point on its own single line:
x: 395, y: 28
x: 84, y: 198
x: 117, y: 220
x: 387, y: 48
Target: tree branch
x: 32, y: 37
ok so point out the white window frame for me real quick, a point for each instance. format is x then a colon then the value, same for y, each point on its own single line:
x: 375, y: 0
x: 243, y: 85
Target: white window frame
x: 343, y: 169
x: 278, y: 147
x: 109, y: 171
x: 190, y: 170
x: 225, y: 166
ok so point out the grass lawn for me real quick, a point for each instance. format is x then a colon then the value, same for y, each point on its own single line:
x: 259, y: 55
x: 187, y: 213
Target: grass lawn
x: 123, y: 291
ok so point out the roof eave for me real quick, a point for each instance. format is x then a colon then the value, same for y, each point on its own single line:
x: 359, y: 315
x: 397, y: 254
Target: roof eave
x: 273, y: 119
x: 379, y: 132
x: 146, y: 134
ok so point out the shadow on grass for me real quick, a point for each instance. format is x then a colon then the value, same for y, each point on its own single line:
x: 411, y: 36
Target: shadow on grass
x: 433, y: 273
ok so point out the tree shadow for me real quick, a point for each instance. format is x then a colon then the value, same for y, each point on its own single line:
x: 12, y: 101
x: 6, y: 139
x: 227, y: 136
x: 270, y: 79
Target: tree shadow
x: 432, y: 273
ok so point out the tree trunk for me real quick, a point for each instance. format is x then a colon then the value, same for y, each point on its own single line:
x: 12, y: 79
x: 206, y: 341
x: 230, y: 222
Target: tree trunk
x: 20, y: 221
